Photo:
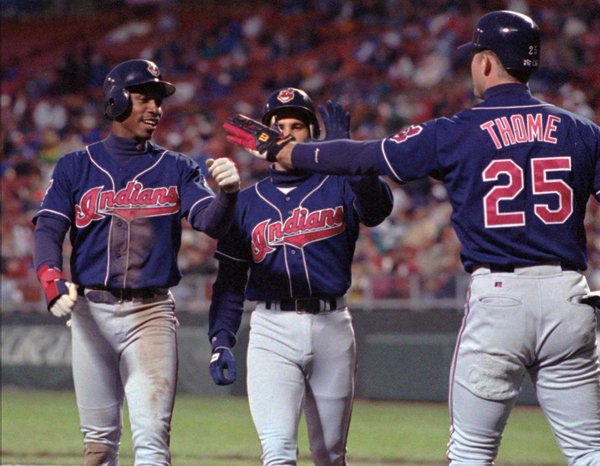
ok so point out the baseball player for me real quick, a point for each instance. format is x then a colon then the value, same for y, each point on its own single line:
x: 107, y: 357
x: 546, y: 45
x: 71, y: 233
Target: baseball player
x: 122, y: 199
x: 519, y: 173
x: 295, y: 234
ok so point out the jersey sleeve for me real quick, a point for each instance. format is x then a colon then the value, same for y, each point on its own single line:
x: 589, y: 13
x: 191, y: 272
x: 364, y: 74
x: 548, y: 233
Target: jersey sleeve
x: 373, y: 200
x: 412, y: 153
x: 227, y: 303
x: 233, y: 247
x: 195, y: 192
x: 58, y: 199
x: 407, y: 155
x: 49, y: 235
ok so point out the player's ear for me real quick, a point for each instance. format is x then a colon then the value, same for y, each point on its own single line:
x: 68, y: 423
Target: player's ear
x: 487, y: 64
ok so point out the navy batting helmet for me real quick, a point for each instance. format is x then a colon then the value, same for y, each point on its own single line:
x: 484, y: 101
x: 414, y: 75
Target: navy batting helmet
x: 126, y: 75
x: 295, y: 103
x: 514, y: 37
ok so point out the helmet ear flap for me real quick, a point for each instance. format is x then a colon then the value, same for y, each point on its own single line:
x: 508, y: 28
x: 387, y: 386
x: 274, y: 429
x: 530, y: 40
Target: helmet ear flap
x: 117, y: 104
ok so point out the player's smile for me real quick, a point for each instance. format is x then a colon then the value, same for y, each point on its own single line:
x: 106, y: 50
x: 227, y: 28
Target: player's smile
x: 151, y: 122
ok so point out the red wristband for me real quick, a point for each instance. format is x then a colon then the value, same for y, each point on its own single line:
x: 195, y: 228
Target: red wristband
x: 52, y: 282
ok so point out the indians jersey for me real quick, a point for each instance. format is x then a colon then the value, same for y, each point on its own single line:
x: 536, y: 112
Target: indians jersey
x: 298, y: 244
x: 125, y: 218
x: 519, y: 173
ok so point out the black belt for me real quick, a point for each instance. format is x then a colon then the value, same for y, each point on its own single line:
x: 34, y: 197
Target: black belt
x: 511, y: 268
x: 116, y: 295
x: 309, y: 305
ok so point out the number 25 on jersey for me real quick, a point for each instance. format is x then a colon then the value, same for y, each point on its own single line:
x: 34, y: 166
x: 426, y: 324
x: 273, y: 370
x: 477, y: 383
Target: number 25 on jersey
x: 540, y: 167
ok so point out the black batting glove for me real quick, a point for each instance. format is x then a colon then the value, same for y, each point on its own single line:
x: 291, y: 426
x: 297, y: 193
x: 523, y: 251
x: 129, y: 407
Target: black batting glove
x: 336, y: 121
x: 258, y: 139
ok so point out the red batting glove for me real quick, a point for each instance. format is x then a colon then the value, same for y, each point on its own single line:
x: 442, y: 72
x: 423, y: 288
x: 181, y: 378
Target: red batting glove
x: 258, y: 139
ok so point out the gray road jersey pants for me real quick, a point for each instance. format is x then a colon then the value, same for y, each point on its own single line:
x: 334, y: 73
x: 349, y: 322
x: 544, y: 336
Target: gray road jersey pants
x: 298, y: 361
x: 126, y: 351
x: 529, y: 321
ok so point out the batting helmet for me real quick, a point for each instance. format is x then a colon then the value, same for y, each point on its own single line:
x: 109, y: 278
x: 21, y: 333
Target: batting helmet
x: 293, y: 102
x: 514, y: 37
x: 125, y: 75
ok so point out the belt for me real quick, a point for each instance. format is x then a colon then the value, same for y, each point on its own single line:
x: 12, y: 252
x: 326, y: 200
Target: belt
x: 310, y: 305
x: 117, y: 295
x: 511, y: 268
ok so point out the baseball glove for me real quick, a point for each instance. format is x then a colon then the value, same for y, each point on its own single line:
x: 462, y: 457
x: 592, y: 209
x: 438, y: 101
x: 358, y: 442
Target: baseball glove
x: 258, y: 139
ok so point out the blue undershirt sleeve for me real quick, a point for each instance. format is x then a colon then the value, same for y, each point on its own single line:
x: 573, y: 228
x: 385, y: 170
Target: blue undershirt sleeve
x: 373, y: 201
x: 49, y: 235
x: 339, y: 157
x: 227, y: 303
x: 215, y: 218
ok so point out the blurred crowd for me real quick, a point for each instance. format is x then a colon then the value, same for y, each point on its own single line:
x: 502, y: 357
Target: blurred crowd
x: 389, y: 62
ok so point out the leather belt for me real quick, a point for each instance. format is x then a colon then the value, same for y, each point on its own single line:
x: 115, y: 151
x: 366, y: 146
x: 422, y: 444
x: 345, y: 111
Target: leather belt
x: 117, y: 295
x: 310, y: 305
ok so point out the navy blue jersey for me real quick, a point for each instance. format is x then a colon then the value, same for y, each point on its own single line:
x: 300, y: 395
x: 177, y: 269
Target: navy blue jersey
x: 519, y: 174
x: 298, y: 244
x: 125, y: 219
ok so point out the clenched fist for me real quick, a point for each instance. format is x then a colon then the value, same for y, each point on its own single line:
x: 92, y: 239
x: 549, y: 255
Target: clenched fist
x: 64, y: 305
x: 225, y: 173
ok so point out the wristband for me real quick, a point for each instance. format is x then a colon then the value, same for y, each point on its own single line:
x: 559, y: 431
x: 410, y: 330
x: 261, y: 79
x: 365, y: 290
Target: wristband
x: 52, y: 283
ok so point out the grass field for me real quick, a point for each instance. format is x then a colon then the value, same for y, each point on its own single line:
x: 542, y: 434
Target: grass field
x: 41, y: 428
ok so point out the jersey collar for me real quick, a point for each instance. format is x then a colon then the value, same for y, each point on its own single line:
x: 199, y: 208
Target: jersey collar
x: 124, y: 146
x: 287, y: 178
x: 511, y: 88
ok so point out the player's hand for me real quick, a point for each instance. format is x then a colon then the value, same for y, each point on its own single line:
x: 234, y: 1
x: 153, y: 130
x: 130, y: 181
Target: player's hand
x: 336, y: 121
x: 258, y: 139
x: 225, y: 173
x: 64, y: 305
x: 222, y: 366
x: 61, y: 295
x: 592, y: 298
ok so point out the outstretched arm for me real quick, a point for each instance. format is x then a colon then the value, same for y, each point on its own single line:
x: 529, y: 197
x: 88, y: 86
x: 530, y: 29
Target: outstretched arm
x: 337, y: 157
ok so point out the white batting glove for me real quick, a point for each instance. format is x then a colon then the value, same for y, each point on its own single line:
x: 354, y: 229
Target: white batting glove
x: 225, y: 173
x: 64, y: 305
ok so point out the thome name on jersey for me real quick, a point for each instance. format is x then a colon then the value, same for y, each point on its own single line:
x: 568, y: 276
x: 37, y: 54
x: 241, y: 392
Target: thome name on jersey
x: 298, y: 244
x: 125, y: 212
